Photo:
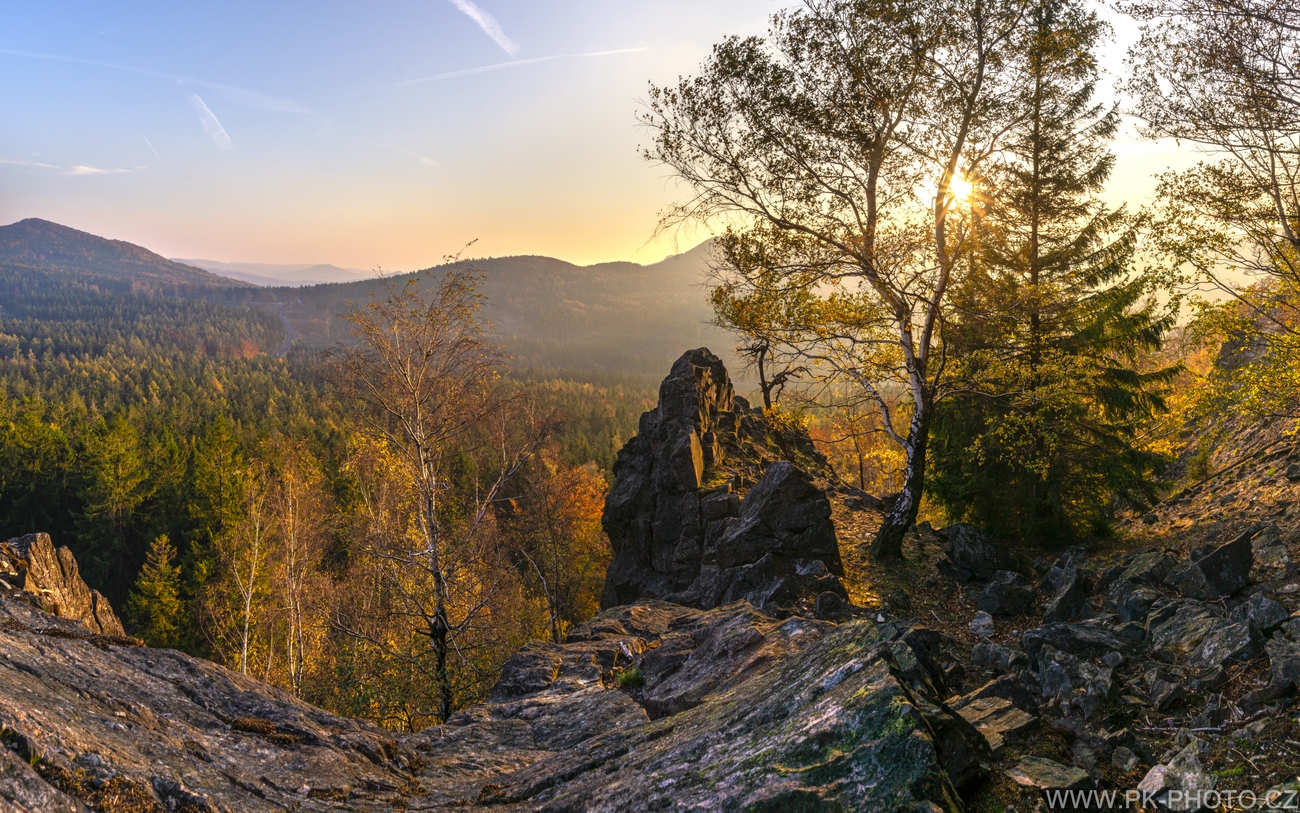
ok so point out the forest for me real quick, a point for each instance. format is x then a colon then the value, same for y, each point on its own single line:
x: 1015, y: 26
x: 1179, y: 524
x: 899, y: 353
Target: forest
x: 378, y: 520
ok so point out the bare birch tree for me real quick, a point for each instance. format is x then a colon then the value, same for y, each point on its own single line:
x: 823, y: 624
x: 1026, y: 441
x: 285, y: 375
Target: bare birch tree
x: 423, y: 374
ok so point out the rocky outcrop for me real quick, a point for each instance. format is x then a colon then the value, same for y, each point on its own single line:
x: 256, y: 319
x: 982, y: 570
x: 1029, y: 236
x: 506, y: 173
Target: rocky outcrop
x: 89, y: 719
x: 31, y: 564
x: 711, y: 505
x: 647, y: 707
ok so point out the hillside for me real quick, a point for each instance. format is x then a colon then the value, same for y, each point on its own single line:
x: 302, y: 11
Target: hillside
x: 41, y: 244
x: 611, y: 317
x: 617, y: 317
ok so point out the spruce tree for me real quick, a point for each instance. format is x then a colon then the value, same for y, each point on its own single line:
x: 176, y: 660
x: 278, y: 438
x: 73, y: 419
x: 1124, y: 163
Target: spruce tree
x: 110, y: 542
x: 155, y: 603
x: 1052, y: 319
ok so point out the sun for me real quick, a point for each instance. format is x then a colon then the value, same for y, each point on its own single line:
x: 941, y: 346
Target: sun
x: 961, y: 188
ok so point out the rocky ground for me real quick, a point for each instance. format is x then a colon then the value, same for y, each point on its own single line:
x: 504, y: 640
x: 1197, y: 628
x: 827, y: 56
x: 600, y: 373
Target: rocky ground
x: 1132, y: 669
x: 652, y: 706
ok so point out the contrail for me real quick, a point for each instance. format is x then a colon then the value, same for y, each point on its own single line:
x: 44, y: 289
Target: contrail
x: 210, y: 124
x: 503, y: 65
x: 251, y: 98
x: 489, y: 25
x: 428, y: 162
x: 155, y: 152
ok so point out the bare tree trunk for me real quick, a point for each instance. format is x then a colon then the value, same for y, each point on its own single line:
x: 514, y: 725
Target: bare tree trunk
x: 248, y: 591
x: 901, y: 515
x: 762, y: 379
x: 439, y: 628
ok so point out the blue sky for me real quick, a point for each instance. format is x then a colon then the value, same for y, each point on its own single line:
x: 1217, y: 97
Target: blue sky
x: 360, y: 134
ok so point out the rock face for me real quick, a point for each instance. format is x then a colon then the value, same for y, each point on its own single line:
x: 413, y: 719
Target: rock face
x: 679, y: 527
x: 731, y: 710
x: 90, y: 719
x: 31, y: 564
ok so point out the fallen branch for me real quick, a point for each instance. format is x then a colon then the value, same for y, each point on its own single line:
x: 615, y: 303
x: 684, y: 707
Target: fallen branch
x: 1235, y: 724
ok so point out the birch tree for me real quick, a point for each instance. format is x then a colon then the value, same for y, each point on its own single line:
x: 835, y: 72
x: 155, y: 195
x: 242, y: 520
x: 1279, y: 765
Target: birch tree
x: 423, y: 375
x: 841, y: 149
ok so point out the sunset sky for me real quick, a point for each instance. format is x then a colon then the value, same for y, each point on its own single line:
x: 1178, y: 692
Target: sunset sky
x: 379, y: 134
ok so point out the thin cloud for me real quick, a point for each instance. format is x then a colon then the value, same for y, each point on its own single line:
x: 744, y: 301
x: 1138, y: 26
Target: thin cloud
x: 36, y: 164
x: 79, y: 169
x: 249, y: 98
x: 489, y: 25
x: 504, y: 65
x: 210, y: 124
x: 85, y: 170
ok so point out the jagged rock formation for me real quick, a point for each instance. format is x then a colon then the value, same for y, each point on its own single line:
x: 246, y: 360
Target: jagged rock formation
x: 681, y: 530
x: 31, y: 564
x: 647, y: 707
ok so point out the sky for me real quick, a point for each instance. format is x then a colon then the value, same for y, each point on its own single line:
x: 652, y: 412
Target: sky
x: 378, y: 135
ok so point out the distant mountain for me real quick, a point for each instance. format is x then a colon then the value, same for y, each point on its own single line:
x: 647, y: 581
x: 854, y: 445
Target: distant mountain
x: 616, y: 317
x: 280, y: 275
x: 41, y: 244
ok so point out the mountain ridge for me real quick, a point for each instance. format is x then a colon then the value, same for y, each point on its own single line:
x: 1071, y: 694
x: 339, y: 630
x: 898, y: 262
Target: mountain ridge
x: 278, y: 275
x: 617, y: 316
x: 42, y: 243
x: 550, y: 313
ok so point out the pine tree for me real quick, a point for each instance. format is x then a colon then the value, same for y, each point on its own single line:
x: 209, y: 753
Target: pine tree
x: 1053, y: 319
x: 155, y: 604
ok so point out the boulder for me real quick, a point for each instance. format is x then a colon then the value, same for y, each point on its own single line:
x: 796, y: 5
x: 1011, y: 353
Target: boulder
x: 1271, y: 556
x: 1227, y: 642
x: 1190, y: 582
x: 1227, y: 567
x: 1183, y: 774
x: 1262, y: 611
x: 675, y: 539
x: 1046, y: 775
x: 1058, y: 672
x: 1135, y: 603
x: 1165, y: 691
x: 1007, y: 593
x: 971, y: 551
x: 54, y: 578
x: 1183, y: 625
x: 899, y: 602
x: 1151, y: 568
x: 1084, y: 640
x: 1071, y: 599
x: 1283, y: 661
x: 997, y: 658
x: 1019, y: 688
x: 1123, y: 759
x: 997, y: 719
